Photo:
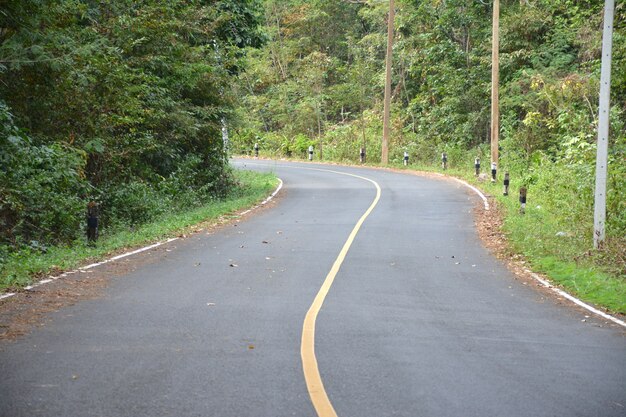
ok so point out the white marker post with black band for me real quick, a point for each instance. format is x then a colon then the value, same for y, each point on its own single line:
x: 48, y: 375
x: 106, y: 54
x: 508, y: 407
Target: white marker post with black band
x: 362, y: 155
x: 494, y: 170
x: 506, y: 183
x: 311, y: 153
x: 406, y: 158
x: 256, y: 150
x: 444, y: 161
x: 522, y: 199
x: 477, y: 166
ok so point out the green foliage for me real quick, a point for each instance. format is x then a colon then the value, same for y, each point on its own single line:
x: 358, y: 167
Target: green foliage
x: 41, y: 189
x: 117, y: 102
x: 328, y: 86
x: 123, y: 103
x: 18, y: 267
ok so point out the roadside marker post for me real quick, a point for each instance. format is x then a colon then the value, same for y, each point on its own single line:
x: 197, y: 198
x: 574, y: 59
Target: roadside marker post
x: 506, y: 183
x: 406, y: 158
x: 522, y: 199
x: 444, y: 161
x: 311, y: 153
x: 477, y: 166
x: 92, y: 223
x: 494, y: 170
x: 362, y: 155
x: 256, y: 150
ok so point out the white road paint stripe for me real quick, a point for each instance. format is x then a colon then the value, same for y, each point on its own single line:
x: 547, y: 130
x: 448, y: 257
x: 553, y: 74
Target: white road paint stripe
x: 124, y: 255
x: 476, y: 190
x: 267, y: 200
x: 84, y: 268
x: 547, y: 284
x: 575, y: 300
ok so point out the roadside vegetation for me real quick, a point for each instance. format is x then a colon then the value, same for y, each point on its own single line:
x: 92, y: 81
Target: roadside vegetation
x: 119, y: 104
x: 309, y: 85
x: 20, y: 267
x: 128, y: 105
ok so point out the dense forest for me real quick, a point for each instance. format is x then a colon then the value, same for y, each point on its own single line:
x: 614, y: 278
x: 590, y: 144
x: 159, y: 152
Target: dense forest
x: 128, y: 103
x: 319, y: 80
x: 121, y: 103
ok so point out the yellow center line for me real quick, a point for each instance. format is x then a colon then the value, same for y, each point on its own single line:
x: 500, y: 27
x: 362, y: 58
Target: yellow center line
x: 314, y: 383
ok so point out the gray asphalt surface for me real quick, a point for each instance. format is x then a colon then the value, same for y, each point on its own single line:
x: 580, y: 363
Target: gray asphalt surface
x: 421, y: 320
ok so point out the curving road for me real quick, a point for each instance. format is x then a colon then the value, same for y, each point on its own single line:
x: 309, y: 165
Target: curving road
x: 414, y: 318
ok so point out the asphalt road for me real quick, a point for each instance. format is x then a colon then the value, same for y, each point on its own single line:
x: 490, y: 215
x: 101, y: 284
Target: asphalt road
x: 420, y: 320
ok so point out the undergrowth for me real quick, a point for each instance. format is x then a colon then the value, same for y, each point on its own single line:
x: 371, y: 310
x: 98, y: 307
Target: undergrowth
x: 21, y: 267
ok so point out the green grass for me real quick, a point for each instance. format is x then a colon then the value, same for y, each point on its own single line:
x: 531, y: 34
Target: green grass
x: 560, y: 246
x: 22, y: 268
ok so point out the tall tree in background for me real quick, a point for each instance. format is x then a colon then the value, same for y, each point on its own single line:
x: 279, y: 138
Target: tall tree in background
x: 441, y: 79
x: 131, y: 93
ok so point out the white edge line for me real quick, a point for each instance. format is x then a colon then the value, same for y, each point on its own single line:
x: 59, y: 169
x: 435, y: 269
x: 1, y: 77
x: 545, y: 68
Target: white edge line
x: 476, y: 190
x: 124, y: 255
x: 575, y: 300
x: 548, y: 284
x: 267, y: 200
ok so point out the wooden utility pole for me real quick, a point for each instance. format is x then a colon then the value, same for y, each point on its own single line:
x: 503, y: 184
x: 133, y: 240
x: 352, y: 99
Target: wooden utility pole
x: 495, y: 81
x: 599, y: 212
x: 384, y: 158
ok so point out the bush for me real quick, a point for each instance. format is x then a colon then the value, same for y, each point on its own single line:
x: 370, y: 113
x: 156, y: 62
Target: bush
x: 132, y: 204
x: 42, y: 189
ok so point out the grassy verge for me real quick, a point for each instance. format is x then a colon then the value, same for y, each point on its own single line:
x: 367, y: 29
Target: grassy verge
x: 25, y: 266
x: 554, y: 246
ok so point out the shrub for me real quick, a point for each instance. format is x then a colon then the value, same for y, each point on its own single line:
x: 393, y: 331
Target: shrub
x: 42, y: 188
